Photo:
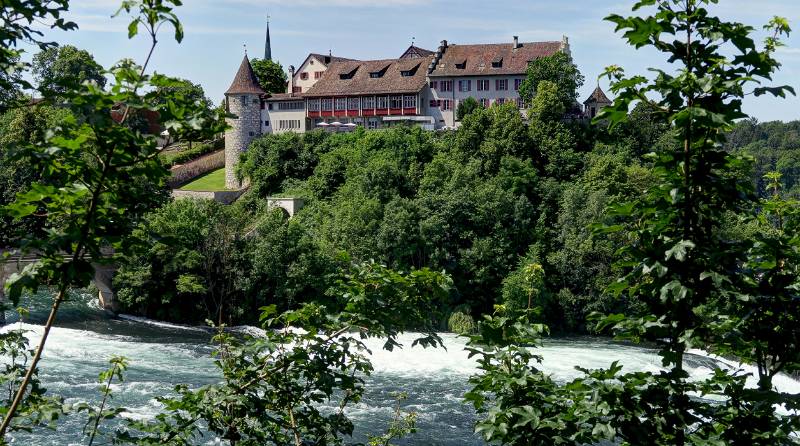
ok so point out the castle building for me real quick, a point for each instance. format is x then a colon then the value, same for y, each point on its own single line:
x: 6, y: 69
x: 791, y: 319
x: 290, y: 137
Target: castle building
x: 421, y: 87
x: 372, y: 93
x: 491, y: 73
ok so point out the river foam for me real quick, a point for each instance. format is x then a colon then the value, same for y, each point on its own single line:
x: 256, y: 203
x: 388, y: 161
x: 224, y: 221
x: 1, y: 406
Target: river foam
x: 163, y: 355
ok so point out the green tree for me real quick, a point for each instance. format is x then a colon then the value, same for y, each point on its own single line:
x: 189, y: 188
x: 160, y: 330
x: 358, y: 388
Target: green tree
x: 89, y: 166
x: 682, y: 266
x: 270, y: 75
x: 547, y: 105
x: 187, y: 91
x: 466, y: 107
x: 20, y: 126
x: 558, y: 69
x: 10, y: 91
x: 56, y: 69
x: 677, y: 263
x: 16, y: 22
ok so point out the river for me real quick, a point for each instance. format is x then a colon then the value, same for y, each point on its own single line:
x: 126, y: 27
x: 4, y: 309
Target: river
x: 162, y: 355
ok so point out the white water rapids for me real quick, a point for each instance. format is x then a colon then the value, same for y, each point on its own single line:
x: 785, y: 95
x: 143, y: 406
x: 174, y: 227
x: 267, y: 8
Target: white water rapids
x: 163, y: 355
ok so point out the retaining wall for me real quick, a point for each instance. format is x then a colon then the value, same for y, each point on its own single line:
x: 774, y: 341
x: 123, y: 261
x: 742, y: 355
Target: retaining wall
x: 224, y: 196
x: 182, y: 173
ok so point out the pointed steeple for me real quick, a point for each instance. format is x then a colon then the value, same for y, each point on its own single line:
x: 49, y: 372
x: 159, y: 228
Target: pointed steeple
x: 268, y: 45
x: 245, y: 81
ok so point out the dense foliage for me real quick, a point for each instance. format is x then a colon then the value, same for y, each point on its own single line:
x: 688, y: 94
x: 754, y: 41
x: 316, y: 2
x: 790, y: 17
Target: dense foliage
x: 57, y: 69
x: 97, y: 173
x: 695, y: 282
x: 270, y: 75
x: 558, y: 69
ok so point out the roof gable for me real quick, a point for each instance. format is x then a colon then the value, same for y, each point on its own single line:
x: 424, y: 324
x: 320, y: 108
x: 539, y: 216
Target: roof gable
x: 598, y: 96
x: 415, y: 52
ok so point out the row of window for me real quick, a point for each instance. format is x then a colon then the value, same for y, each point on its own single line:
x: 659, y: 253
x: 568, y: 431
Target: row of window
x: 447, y: 104
x: 362, y: 103
x: 288, y: 124
x: 481, y: 84
x: 294, y: 105
x: 444, y: 104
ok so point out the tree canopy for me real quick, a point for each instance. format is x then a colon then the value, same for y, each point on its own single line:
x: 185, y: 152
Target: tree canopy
x: 57, y: 68
x: 270, y: 75
x: 466, y: 107
x: 558, y: 69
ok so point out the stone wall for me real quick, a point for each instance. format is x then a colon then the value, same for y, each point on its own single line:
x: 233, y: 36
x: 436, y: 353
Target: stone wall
x: 222, y: 196
x: 182, y: 173
x: 242, y: 129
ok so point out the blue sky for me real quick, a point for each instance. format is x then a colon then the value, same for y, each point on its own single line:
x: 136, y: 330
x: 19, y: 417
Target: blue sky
x: 216, y: 31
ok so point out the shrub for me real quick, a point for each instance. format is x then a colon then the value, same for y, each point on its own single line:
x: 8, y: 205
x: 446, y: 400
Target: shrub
x: 461, y: 322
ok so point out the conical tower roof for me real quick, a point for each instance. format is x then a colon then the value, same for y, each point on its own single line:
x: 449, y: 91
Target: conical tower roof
x: 598, y: 96
x: 245, y: 81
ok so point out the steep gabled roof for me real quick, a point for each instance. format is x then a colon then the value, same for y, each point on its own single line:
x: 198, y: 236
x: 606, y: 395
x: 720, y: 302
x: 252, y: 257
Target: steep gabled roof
x: 245, y: 81
x: 479, y: 58
x: 415, y: 52
x: 323, y: 59
x: 392, y: 80
x: 598, y: 96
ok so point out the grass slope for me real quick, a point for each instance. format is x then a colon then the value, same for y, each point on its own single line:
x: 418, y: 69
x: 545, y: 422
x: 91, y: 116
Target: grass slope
x: 212, y: 181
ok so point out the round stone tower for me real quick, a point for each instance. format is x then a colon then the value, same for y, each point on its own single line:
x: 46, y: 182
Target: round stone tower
x: 243, y: 100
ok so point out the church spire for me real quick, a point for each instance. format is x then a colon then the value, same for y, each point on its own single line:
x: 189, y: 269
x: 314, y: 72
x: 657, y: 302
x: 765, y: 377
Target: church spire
x: 268, y: 45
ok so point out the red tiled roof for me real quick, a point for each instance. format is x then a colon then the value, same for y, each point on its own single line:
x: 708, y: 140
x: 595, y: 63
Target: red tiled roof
x: 245, y: 81
x: 361, y: 83
x: 598, y: 96
x: 479, y: 58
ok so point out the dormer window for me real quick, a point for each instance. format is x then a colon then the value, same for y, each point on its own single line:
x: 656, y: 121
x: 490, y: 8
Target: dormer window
x: 378, y: 74
x: 461, y: 65
x: 497, y: 62
x: 348, y: 74
x: 410, y: 72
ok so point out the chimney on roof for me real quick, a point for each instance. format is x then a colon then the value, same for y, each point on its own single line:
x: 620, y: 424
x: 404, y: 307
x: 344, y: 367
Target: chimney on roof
x: 291, y: 80
x: 438, y: 56
x: 516, y: 42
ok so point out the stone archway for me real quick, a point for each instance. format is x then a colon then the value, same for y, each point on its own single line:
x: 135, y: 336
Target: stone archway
x: 288, y: 204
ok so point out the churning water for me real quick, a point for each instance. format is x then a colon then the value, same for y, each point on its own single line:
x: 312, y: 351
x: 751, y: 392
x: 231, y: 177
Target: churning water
x: 163, y: 355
